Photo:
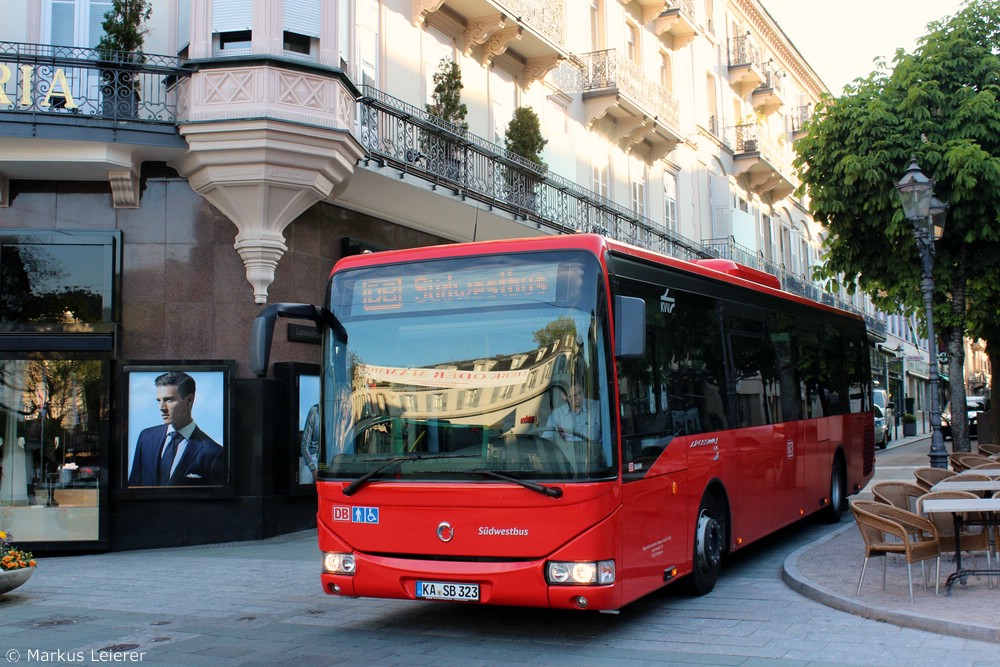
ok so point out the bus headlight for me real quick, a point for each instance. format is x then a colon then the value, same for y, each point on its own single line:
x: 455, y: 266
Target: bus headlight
x: 580, y: 573
x: 336, y: 563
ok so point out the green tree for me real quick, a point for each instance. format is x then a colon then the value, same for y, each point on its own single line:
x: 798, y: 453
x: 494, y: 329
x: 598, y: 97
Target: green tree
x: 447, y: 97
x: 124, y: 29
x: 524, y: 135
x: 940, y: 104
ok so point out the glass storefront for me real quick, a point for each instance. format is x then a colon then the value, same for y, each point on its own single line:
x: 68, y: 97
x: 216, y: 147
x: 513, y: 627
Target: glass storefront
x: 54, y: 430
x: 58, y: 305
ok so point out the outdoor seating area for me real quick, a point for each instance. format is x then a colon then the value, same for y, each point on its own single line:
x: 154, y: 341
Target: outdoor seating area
x: 951, y: 512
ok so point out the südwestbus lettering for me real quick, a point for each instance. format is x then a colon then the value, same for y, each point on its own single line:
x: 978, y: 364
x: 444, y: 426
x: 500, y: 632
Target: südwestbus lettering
x: 515, y: 532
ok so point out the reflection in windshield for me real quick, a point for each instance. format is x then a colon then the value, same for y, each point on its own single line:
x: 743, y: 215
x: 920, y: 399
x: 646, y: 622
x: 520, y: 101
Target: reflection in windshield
x: 509, y: 385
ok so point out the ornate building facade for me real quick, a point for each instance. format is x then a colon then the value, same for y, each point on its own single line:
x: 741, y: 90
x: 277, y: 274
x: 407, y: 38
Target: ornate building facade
x: 150, y: 203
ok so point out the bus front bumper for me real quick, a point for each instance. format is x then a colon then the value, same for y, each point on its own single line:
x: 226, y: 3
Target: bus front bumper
x: 518, y: 583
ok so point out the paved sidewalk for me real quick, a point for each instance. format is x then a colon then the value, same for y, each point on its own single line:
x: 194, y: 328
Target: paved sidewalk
x: 828, y: 570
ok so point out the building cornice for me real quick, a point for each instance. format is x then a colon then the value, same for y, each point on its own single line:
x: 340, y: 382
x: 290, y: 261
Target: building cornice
x: 781, y: 46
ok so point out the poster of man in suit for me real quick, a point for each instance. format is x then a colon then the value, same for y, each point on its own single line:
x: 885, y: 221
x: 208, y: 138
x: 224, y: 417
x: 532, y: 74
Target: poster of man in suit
x: 167, y: 447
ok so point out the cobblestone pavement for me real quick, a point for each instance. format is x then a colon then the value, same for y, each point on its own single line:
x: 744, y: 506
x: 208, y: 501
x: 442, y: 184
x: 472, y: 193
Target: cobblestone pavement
x: 260, y: 603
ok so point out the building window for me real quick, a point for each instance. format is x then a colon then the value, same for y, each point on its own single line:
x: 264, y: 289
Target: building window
x: 236, y: 40
x: 666, y: 71
x: 75, y: 22
x: 296, y: 43
x: 639, y: 195
x: 595, y: 25
x: 713, y: 106
x: 670, y: 201
x: 599, y: 181
x: 632, y: 42
x: 56, y: 445
x: 62, y: 281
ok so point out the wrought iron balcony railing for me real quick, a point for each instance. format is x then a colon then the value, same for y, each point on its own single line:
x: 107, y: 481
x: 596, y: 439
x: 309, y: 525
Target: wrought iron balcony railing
x: 799, y: 118
x: 772, y: 78
x: 743, y: 51
x: 411, y: 140
x: 607, y: 69
x: 749, y: 139
x: 547, y: 18
x: 64, y: 81
x: 408, y: 139
x: 686, y: 6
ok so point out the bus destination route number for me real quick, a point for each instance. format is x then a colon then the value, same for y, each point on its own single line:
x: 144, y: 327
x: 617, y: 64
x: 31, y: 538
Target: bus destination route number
x: 443, y: 590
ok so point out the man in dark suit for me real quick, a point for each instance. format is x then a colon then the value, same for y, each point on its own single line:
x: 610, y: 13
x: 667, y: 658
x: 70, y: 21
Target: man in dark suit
x: 178, y: 453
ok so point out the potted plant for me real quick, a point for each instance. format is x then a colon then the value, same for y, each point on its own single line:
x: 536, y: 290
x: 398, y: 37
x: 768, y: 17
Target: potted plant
x: 16, y: 565
x: 909, y: 424
x: 446, y: 105
x: 523, y: 137
x: 120, y: 51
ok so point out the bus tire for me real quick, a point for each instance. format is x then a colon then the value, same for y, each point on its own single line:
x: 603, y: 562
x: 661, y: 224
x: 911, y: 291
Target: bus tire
x: 833, y: 510
x: 709, y: 544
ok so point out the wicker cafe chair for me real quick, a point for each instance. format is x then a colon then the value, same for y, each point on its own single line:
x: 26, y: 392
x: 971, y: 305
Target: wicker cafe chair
x: 993, y: 465
x: 898, y: 494
x: 968, y: 460
x: 891, y: 530
x: 968, y: 477
x: 955, y: 460
x: 928, y: 477
x: 988, y: 449
x: 974, y: 538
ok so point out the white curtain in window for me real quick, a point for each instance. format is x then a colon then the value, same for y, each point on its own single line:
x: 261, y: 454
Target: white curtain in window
x: 75, y: 23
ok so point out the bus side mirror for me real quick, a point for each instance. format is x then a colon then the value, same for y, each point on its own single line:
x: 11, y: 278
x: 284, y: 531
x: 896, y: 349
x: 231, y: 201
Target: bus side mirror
x: 630, y: 327
x: 262, y: 331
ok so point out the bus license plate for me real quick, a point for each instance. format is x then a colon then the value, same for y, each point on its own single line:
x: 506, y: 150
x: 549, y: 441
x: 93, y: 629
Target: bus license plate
x: 444, y: 590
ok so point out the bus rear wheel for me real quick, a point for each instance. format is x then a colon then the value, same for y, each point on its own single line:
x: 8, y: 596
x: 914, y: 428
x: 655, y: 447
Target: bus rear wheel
x: 709, y: 543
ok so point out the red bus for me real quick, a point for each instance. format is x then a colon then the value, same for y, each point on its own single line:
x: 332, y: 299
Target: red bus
x: 569, y: 421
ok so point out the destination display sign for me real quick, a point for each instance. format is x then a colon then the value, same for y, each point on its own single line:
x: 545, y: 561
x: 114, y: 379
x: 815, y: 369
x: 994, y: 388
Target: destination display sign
x: 458, y: 288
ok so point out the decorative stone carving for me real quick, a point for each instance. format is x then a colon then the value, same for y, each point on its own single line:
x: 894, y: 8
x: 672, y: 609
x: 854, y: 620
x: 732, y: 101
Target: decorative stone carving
x: 124, y: 188
x: 535, y: 69
x: 479, y: 30
x: 421, y: 8
x: 265, y: 144
x: 497, y: 44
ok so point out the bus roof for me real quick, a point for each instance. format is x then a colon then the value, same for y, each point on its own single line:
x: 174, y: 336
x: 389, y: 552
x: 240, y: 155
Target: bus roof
x: 720, y: 269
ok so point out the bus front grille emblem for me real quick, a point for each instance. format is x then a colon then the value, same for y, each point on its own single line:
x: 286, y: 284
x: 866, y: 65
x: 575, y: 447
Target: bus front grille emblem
x: 445, y: 532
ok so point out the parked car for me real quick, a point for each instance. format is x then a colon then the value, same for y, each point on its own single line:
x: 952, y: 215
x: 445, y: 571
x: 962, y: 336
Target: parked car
x: 973, y: 406
x: 881, y: 428
x: 881, y: 400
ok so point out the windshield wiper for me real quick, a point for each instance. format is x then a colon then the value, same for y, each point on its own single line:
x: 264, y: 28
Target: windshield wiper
x: 551, y: 491
x: 353, y: 487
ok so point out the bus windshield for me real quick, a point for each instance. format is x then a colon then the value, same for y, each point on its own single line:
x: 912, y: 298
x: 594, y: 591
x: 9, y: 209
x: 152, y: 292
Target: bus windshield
x: 469, y: 368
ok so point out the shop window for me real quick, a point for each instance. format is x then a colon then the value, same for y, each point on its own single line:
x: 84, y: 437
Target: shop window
x: 53, y: 440
x: 57, y: 282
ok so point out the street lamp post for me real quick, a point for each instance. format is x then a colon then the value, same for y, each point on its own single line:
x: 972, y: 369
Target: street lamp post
x: 916, y: 191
